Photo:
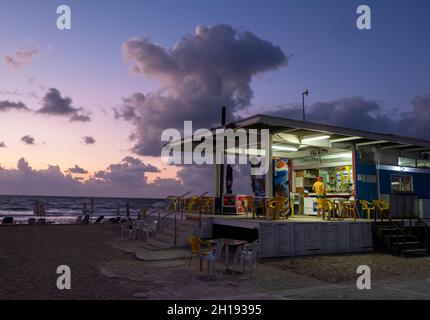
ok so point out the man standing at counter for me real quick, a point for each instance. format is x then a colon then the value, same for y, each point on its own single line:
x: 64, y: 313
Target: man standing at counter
x: 319, y: 188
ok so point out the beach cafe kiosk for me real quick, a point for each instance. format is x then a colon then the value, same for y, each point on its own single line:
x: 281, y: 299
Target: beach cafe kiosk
x: 353, y: 163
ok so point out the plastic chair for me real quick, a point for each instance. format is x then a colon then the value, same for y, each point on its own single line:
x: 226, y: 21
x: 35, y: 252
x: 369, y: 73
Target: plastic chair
x: 197, y: 250
x: 214, y: 257
x: 278, y: 205
x: 149, y: 230
x: 351, y: 208
x: 381, y: 207
x: 366, y: 206
x: 247, y: 255
x: 250, y: 206
x: 126, y: 226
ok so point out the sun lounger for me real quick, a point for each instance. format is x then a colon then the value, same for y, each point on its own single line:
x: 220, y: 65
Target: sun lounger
x: 7, y: 221
x: 99, y: 219
x: 115, y: 220
x: 86, y: 219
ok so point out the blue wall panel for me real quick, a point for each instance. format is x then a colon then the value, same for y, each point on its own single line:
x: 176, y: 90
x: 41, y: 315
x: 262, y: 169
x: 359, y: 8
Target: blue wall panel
x: 421, y: 182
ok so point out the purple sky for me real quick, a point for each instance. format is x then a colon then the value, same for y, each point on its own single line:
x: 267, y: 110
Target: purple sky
x: 81, y: 110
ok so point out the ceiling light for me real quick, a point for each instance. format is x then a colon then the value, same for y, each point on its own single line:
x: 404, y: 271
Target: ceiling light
x: 315, y: 138
x: 284, y: 148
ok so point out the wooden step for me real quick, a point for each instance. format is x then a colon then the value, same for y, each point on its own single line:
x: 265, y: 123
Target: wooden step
x: 415, y: 250
x: 407, y: 243
x: 397, y: 235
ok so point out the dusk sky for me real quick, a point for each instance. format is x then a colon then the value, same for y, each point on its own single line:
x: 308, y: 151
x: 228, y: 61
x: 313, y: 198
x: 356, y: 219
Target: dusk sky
x: 81, y: 110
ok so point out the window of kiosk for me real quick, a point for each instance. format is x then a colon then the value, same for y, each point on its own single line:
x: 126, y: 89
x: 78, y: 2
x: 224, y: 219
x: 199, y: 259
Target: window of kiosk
x: 401, y: 183
x: 421, y: 163
x: 407, y: 162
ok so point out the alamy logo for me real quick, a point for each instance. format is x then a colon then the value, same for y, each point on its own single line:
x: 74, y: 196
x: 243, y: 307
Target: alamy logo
x: 364, y: 280
x: 219, y: 146
x: 364, y: 20
x: 64, y: 20
x: 64, y: 280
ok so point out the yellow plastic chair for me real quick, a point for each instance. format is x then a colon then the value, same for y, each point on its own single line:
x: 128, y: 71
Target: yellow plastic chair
x: 197, y: 250
x: 351, y: 208
x: 366, y: 206
x: 250, y: 206
x: 327, y: 206
x: 192, y: 203
x: 320, y: 209
x: 277, y: 204
x: 381, y: 207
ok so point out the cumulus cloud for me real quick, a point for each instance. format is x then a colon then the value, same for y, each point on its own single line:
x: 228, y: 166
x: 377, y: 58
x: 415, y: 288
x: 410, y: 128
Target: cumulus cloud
x: 6, y: 105
x: 126, y: 179
x: 77, y: 170
x: 29, y: 140
x: 130, y: 171
x: 2, y: 144
x: 19, y: 57
x: 211, y: 68
x: 89, y: 140
x: 54, y: 104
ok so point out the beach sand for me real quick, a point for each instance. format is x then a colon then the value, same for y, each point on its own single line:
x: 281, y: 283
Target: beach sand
x: 30, y: 255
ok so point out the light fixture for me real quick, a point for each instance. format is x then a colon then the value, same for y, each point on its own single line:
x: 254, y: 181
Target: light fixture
x: 345, y: 139
x: 343, y: 155
x: 315, y: 138
x: 284, y: 148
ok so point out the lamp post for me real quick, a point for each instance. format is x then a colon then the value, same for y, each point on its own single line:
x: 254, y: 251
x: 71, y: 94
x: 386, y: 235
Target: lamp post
x: 305, y: 93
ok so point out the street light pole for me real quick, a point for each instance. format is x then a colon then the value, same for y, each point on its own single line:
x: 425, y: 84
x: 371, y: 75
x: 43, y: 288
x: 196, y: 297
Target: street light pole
x: 305, y: 93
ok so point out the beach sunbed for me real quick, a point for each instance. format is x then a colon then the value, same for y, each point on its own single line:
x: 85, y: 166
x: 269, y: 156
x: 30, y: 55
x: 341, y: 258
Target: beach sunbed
x: 99, y: 219
x: 86, y: 219
x: 7, y: 221
x: 115, y: 220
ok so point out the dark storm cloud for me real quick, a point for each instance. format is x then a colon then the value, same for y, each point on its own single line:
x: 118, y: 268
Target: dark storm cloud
x: 359, y: 113
x: 89, y: 140
x: 211, y: 68
x: 19, y: 57
x: 6, y: 105
x: 54, y: 104
x: 77, y: 170
x: 27, y: 139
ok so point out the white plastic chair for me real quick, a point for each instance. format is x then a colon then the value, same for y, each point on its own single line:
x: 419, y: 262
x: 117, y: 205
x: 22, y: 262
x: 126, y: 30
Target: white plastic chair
x: 127, y: 226
x: 137, y: 229
x: 246, y: 256
x: 149, y: 231
x: 214, y: 257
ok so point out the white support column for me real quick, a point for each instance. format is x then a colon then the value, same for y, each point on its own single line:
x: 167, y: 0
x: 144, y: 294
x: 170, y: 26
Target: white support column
x: 269, y: 175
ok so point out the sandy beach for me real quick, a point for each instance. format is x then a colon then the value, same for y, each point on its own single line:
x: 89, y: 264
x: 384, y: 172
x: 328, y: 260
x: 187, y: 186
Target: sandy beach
x: 30, y: 255
x: 104, y: 266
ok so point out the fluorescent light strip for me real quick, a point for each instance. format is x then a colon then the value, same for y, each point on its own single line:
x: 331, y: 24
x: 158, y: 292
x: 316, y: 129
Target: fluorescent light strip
x: 284, y: 148
x: 317, y: 138
x: 345, y: 139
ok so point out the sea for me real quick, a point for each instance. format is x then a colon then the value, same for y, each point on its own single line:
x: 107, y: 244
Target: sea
x: 67, y: 209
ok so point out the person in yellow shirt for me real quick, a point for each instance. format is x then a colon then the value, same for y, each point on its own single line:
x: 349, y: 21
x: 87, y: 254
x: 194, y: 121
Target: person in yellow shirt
x: 319, y: 188
x: 320, y: 192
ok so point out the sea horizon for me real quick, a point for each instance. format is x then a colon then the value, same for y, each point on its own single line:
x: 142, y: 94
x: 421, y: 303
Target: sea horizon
x: 65, y: 209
